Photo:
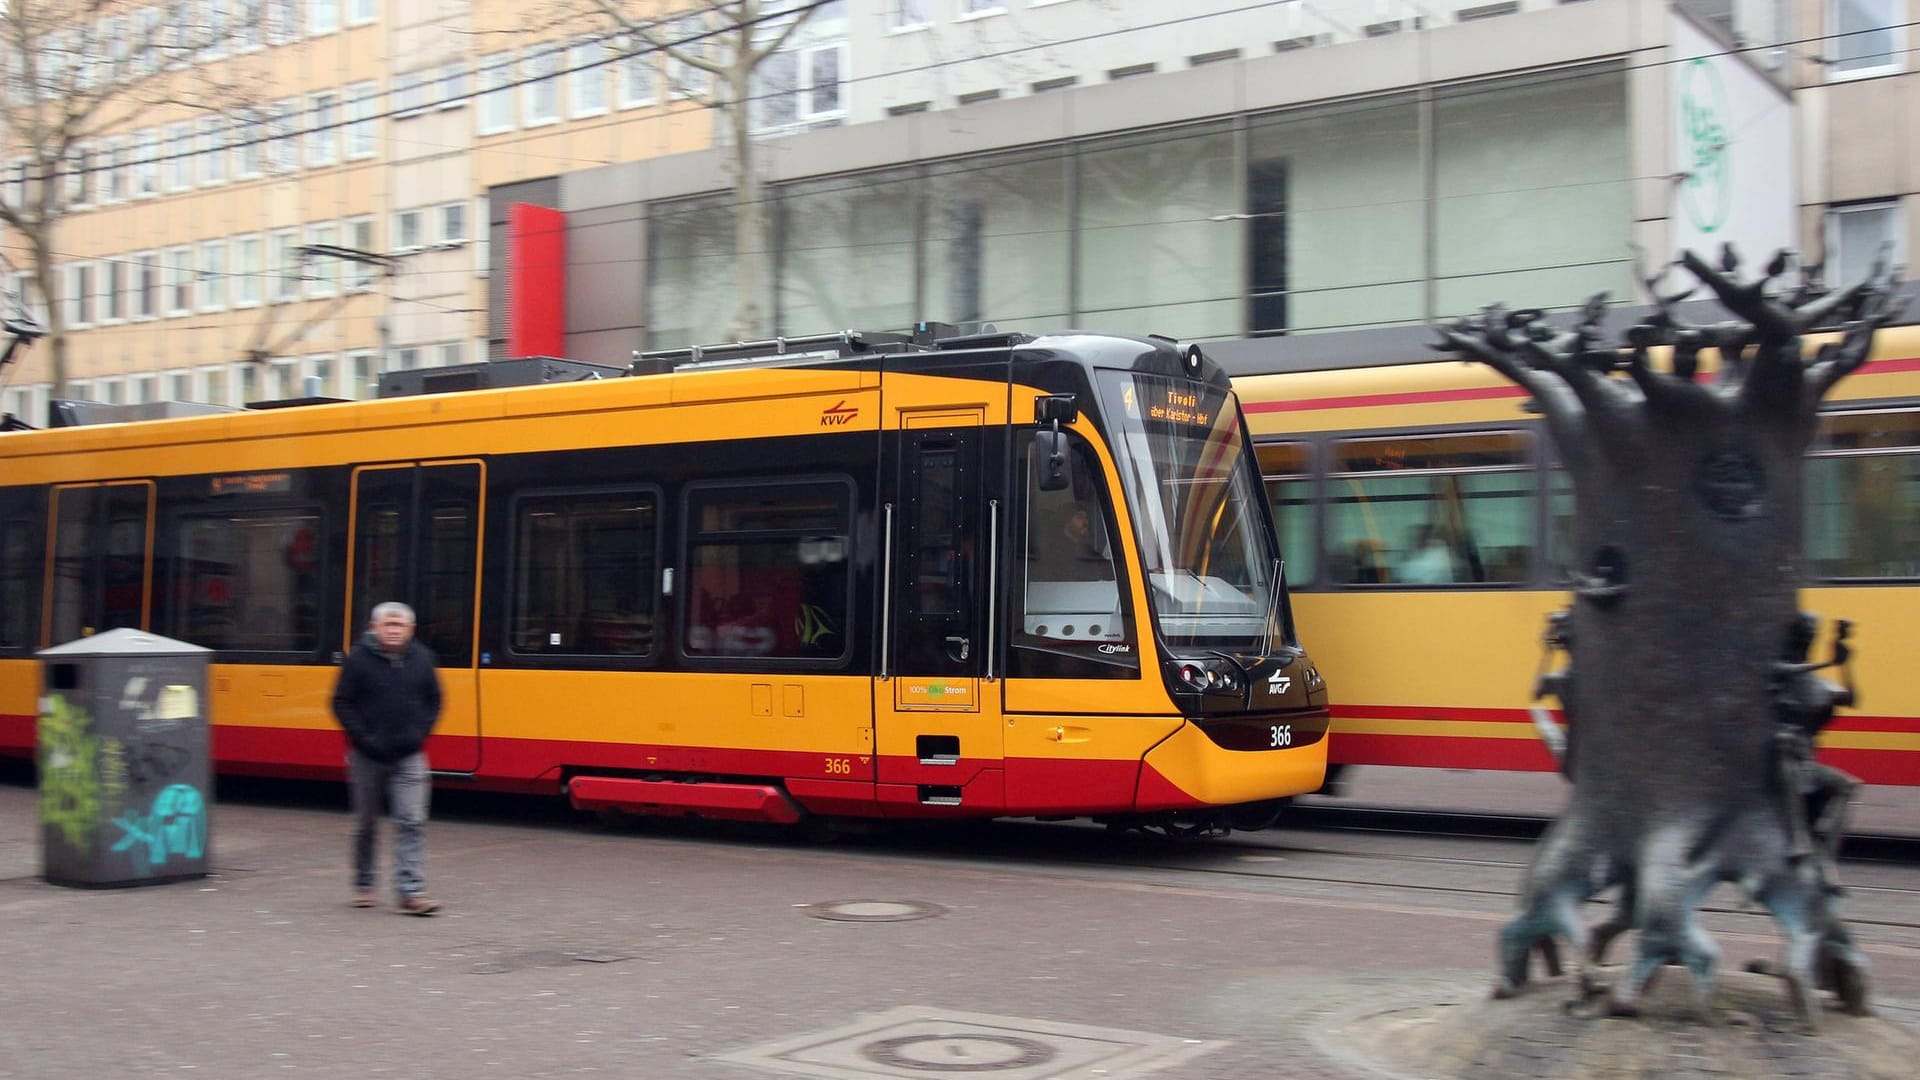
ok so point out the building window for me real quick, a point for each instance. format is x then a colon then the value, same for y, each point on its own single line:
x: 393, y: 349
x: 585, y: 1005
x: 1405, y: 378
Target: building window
x: 684, y: 79
x: 910, y: 14
x: 179, y: 154
x: 1505, y: 222
x: 323, y: 139
x: 249, y: 262
x: 364, y: 369
x: 588, y: 79
x: 972, y: 8
x: 452, y: 354
x: 146, y: 162
x: 114, y: 290
x: 216, y: 386
x: 1858, y: 235
x: 323, y: 16
x: 320, y: 371
x: 179, y: 279
x: 249, y: 150
x: 542, y: 91
x: 283, y: 149
x: 409, y: 93
x: 363, y: 100
x: 1431, y: 510
x: 453, y: 84
x: 767, y: 572
x: 496, y: 98
x: 146, y: 285
x: 584, y: 575
x: 1866, y: 38
x: 80, y: 295
x: 213, y: 275
x: 453, y: 223
x: 406, y: 230
x: 324, y: 279
x: 359, y: 237
x: 361, y: 12
x: 213, y: 150
x: 287, y: 265
x: 635, y: 74
x: 1151, y: 253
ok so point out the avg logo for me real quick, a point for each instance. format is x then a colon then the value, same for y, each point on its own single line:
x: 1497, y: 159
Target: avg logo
x: 840, y: 415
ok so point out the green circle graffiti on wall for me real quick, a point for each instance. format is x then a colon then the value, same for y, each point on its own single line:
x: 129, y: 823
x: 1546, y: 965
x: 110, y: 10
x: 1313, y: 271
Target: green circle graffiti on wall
x: 1706, y: 154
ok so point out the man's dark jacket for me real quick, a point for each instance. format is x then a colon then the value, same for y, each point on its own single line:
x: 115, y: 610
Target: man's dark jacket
x: 387, y: 704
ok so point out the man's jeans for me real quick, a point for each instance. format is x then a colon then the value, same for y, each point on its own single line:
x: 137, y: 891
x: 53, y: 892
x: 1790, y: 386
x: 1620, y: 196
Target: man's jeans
x: 404, y: 786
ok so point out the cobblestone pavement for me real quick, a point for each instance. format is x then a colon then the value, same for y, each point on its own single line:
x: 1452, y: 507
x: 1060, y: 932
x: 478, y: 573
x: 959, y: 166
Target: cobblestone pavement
x: 663, y: 952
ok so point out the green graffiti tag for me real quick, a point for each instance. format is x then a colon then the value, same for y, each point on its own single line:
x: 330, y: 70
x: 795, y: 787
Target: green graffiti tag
x: 812, y: 625
x: 69, y: 777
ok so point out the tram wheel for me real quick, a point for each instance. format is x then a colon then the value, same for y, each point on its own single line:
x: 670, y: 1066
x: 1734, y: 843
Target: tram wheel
x: 1188, y: 828
x: 1254, y: 816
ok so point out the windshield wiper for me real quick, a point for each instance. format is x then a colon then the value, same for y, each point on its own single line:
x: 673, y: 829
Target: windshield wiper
x: 1273, y: 611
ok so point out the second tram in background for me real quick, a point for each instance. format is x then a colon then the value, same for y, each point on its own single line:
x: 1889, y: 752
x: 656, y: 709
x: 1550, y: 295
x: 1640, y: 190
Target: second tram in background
x: 856, y: 575
x: 1426, y: 527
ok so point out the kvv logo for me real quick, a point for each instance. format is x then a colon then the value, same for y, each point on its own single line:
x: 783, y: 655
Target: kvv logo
x: 1706, y: 150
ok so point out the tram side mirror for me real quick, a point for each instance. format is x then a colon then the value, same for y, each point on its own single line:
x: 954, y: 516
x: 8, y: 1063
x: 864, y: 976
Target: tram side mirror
x: 1049, y: 445
x: 1050, y: 460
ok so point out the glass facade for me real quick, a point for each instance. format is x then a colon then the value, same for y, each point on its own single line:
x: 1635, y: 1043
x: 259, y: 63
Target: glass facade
x: 1389, y: 211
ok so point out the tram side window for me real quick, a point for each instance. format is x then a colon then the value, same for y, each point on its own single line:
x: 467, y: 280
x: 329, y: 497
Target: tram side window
x: 1863, y: 497
x: 767, y: 571
x: 19, y: 582
x: 1431, y: 510
x: 1560, y: 554
x: 584, y: 574
x: 1072, y: 615
x: 1288, y: 472
x: 249, y: 581
x: 445, y: 607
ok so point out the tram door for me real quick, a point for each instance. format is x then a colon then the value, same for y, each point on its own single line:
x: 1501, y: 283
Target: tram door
x: 99, y: 574
x: 938, y: 741
x: 416, y: 539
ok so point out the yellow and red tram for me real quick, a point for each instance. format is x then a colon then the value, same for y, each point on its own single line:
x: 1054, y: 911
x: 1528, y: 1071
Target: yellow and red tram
x: 1425, y: 528
x: 864, y: 575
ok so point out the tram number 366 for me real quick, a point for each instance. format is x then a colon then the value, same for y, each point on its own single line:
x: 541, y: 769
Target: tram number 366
x: 1280, y: 735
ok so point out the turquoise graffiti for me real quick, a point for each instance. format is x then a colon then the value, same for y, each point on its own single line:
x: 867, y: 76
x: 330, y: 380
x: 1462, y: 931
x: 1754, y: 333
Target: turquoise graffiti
x: 176, y: 825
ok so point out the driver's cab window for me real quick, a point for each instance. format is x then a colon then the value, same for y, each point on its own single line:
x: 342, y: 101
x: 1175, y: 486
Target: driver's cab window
x: 1072, y: 618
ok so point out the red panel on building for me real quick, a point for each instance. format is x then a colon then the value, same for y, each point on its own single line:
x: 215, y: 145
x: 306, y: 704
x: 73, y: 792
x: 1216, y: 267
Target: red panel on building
x: 536, y: 281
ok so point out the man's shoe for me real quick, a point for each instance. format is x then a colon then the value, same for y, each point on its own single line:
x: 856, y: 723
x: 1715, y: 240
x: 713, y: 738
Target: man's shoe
x: 417, y: 905
x: 363, y: 898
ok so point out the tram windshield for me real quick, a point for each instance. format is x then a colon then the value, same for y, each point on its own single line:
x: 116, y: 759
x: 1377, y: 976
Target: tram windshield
x: 1196, y: 507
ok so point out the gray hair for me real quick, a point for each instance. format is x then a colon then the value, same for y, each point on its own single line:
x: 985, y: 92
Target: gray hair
x: 391, y: 607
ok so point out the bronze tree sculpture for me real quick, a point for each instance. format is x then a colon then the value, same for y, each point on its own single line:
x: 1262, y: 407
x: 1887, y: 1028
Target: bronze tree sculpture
x: 1687, y: 530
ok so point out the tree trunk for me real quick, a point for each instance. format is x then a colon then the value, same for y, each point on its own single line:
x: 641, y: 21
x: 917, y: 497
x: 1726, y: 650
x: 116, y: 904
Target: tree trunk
x: 1687, y: 526
x: 45, y: 278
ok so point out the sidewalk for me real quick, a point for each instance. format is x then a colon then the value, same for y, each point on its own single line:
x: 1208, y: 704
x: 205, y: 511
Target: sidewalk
x: 1892, y: 811
x: 566, y: 950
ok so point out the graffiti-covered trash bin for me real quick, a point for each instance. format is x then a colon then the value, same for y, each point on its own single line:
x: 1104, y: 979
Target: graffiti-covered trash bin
x: 125, y: 772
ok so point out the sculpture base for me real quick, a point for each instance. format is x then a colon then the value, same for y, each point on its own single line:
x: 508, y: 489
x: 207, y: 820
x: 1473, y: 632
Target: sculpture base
x: 1752, y: 1033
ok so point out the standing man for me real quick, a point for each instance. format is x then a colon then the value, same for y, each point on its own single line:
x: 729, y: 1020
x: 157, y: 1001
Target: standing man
x: 388, y: 699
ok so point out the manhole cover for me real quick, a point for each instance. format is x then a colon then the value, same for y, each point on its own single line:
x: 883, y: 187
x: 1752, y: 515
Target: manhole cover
x: 875, y: 910
x: 917, y: 1043
x: 959, y: 1052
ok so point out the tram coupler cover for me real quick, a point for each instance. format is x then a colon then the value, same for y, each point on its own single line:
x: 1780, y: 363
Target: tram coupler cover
x: 124, y: 770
